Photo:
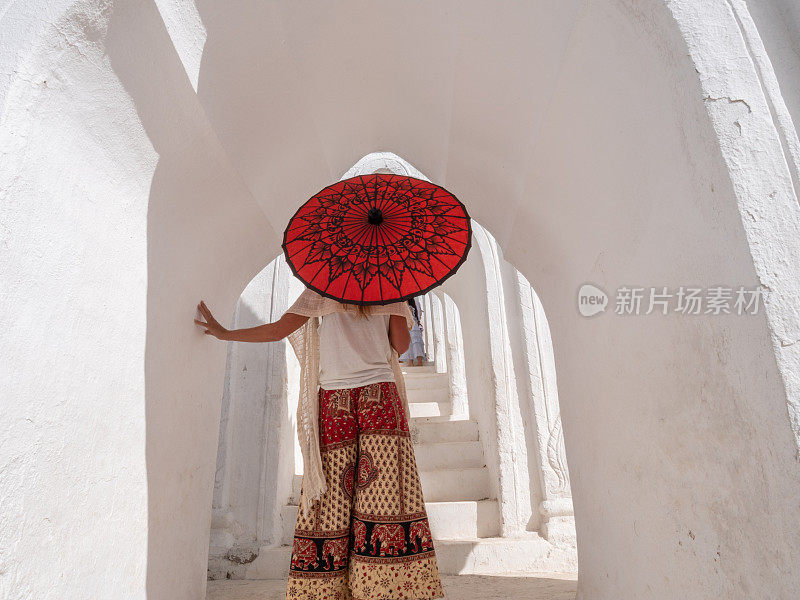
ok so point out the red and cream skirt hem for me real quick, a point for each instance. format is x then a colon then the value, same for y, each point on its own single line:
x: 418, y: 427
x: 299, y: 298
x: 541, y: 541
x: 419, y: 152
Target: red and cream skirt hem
x: 368, y: 538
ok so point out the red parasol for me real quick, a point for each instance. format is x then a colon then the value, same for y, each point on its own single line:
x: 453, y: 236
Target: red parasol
x: 375, y: 239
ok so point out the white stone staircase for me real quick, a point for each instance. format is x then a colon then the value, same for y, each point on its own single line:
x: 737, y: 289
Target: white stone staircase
x: 464, y: 519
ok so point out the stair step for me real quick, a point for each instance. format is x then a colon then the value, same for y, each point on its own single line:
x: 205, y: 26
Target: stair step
x: 441, y: 394
x: 448, y: 520
x: 430, y: 409
x: 464, y: 519
x: 271, y: 563
x: 424, y: 431
x: 501, y: 556
x: 452, y: 485
x: 426, y: 381
x: 440, y: 480
x: 425, y: 368
x: 488, y: 556
x: 449, y: 418
x: 448, y: 455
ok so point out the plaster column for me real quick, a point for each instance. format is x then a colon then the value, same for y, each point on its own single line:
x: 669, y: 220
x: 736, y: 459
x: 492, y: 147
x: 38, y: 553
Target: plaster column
x: 552, y: 474
x: 427, y: 327
x: 506, y: 404
x: 455, y: 358
x: 256, y: 458
x: 437, y: 324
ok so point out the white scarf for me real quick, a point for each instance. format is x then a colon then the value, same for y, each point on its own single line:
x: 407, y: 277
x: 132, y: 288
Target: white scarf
x: 305, y: 342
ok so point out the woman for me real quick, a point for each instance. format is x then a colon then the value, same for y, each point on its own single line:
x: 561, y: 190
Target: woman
x: 415, y: 354
x: 362, y: 530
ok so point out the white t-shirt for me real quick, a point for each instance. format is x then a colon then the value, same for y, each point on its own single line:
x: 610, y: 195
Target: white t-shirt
x: 354, y: 351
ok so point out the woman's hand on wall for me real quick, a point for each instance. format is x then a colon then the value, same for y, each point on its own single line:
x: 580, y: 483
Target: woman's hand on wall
x: 268, y: 332
x: 211, y: 325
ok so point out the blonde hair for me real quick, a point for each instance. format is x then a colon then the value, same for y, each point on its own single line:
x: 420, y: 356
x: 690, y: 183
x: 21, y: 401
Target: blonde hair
x: 364, y: 310
x: 360, y: 311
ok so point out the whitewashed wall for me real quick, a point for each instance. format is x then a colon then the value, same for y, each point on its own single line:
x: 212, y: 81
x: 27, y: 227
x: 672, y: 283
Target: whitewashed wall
x: 257, y: 456
x: 510, y: 382
x: 623, y: 141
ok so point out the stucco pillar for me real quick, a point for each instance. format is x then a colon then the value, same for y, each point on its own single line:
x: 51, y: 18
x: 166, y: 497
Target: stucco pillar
x: 455, y: 358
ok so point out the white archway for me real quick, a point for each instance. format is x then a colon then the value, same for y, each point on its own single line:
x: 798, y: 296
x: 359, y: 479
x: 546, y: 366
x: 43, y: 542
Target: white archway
x: 485, y: 420
x: 627, y: 142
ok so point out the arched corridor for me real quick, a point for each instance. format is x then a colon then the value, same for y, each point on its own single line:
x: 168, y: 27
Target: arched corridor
x: 485, y: 423
x: 153, y: 150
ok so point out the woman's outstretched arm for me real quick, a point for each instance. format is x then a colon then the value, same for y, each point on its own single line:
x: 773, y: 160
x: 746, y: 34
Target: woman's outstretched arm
x: 268, y: 332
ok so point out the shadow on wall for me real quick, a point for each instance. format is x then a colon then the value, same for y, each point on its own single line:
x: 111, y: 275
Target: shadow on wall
x: 197, y: 247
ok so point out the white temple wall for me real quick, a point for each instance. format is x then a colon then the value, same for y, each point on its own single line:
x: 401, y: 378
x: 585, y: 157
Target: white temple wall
x: 438, y: 332
x: 555, y: 514
x: 468, y: 291
x: 427, y: 328
x: 528, y: 454
x: 505, y: 383
x: 256, y: 459
x: 455, y: 357
x: 108, y: 237
x: 712, y: 378
x: 776, y: 57
x: 503, y: 403
x: 639, y: 146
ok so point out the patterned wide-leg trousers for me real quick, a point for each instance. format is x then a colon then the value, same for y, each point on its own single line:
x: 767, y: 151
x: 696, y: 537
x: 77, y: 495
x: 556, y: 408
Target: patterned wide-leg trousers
x: 368, y: 537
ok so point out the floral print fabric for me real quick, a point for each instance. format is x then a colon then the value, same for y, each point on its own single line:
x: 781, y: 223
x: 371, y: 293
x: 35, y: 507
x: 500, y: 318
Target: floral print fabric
x: 368, y: 537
